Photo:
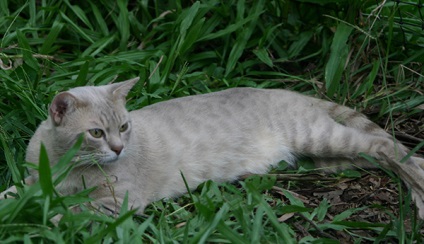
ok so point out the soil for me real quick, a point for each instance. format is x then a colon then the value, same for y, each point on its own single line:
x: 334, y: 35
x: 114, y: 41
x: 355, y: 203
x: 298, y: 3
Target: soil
x: 374, y: 195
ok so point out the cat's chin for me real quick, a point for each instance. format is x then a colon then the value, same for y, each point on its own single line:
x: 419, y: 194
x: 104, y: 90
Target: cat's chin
x: 109, y: 159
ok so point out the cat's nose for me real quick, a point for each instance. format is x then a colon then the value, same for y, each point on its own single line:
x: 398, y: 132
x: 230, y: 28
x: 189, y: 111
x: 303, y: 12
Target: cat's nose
x: 117, y: 149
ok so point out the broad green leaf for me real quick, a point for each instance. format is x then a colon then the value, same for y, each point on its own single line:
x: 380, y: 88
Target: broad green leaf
x: 45, y: 175
x: 192, y: 36
x: 82, y: 75
x: 322, y: 209
x: 346, y: 214
x: 338, y: 57
x: 263, y: 55
x: 189, y: 17
x: 294, y: 209
x: 293, y: 200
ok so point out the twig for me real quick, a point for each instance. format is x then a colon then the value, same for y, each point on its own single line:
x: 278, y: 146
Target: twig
x: 156, y: 67
x: 5, y: 67
x: 298, y: 177
x: 407, y: 136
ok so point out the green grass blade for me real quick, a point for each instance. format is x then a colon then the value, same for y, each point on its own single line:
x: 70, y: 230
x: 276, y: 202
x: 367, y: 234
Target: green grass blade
x: 61, y: 168
x: 257, y: 225
x: 98, y: 236
x: 99, y: 18
x: 282, y: 229
x: 77, y: 28
x: 188, y: 19
x: 26, y: 51
x: 15, y: 207
x: 99, y: 46
x: 296, y: 47
x: 48, y: 44
x: 123, y: 24
x: 80, y: 14
x: 230, y: 234
x: 83, y: 74
x: 229, y: 29
x: 9, y: 159
x: 206, y: 232
x: 240, y: 44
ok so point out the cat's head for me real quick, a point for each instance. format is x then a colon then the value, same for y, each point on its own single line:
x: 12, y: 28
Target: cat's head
x: 99, y: 114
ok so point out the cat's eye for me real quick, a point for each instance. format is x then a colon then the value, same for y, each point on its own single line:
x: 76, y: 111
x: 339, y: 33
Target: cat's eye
x: 123, y: 127
x: 96, y: 133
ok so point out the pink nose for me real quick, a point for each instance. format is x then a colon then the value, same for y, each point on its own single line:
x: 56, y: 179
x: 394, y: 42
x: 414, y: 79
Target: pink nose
x: 117, y: 149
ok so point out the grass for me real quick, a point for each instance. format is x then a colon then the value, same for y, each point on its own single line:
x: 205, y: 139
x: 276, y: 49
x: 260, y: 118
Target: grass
x: 335, y: 50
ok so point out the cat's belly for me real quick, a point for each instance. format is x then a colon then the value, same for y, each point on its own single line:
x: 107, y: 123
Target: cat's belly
x: 253, y: 155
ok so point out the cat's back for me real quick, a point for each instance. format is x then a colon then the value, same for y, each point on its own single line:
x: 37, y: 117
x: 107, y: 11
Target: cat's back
x: 232, y: 112
x: 234, y: 100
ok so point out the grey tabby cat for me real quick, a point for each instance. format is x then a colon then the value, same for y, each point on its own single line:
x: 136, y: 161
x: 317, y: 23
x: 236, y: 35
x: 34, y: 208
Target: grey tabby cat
x: 218, y: 136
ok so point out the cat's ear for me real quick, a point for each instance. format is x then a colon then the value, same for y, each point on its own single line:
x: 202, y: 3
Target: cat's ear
x: 63, y: 104
x: 120, y: 90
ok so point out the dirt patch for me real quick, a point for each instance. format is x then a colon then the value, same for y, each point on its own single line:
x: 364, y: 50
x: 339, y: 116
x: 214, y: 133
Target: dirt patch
x: 373, y: 198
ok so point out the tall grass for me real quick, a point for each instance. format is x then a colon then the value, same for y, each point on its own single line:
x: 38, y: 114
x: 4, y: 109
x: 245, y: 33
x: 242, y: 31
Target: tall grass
x: 335, y: 50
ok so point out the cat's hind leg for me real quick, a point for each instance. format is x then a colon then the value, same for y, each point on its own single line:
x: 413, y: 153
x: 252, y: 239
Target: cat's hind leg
x: 353, y: 119
x: 331, y: 139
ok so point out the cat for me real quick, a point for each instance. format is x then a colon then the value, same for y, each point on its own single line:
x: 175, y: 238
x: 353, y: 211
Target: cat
x: 218, y: 136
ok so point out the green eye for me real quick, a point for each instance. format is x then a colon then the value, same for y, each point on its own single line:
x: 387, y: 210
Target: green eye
x: 96, y: 133
x: 123, y: 127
